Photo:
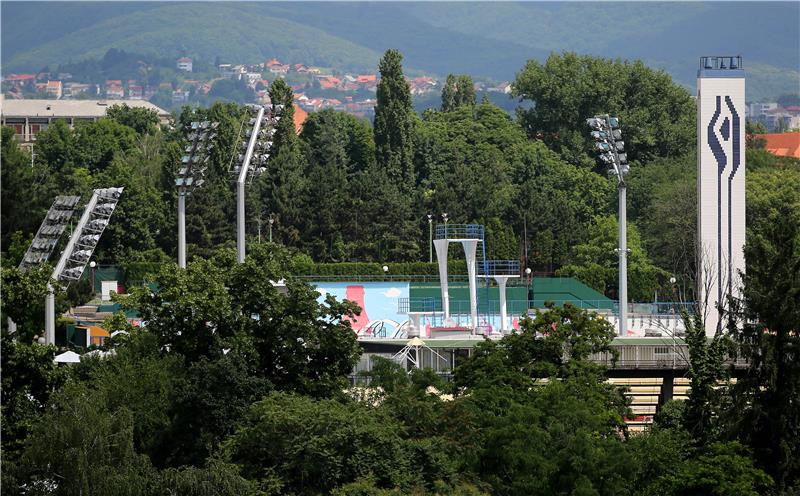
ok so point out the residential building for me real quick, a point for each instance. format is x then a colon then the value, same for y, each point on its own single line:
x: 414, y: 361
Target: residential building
x: 782, y: 144
x: 780, y: 118
x: 19, y: 80
x: 135, y: 92
x: 252, y: 78
x: 54, y: 89
x: 29, y: 117
x: 755, y: 111
x: 72, y: 90
x: 180, y: 96
x: 115, y: 92
x: 225, y: 70
x: 185, y: 64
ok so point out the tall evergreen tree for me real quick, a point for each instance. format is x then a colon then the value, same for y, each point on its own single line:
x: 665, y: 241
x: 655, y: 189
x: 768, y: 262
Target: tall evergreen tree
x: 769, y: 411
x: 394, y: 122
x: 280, y: 94
x: 283, y: 186
x: 458, y: 91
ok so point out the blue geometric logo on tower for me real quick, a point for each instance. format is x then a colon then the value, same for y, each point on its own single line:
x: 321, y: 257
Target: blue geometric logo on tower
x: 727, y: 131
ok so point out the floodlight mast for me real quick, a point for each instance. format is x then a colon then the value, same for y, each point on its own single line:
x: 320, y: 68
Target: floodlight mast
x: 608, y: 140
x: 252, y: 164
x: 79, y: 249
x: 50, y: 231
x: 240, y: 186
x: 190, y: 176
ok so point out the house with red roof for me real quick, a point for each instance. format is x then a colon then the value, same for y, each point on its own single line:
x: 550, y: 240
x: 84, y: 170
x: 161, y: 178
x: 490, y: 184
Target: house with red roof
x: 329, y: 82
x: 279, y: 69
x: 299, y: 118
x: 19, y: 80
x: 54, y: 89
x: 114, y: 89
x: 782, y: 144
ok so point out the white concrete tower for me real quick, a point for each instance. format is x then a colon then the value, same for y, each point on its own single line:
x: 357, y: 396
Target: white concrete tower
x: 720, y: 184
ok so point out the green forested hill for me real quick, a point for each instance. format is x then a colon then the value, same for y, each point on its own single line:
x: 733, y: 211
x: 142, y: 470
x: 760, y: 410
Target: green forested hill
x: 483, y: 39
x: 235, y: 32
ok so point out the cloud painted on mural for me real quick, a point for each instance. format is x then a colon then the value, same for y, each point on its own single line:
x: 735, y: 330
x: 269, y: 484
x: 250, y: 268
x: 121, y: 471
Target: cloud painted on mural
x: 392, y: 293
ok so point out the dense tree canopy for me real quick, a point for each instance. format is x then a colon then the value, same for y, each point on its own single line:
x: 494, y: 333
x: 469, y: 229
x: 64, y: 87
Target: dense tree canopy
x: 234, y: 388
x: 657, y: 115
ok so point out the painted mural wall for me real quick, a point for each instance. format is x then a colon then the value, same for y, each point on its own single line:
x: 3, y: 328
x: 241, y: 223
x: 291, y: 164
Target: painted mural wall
x: 378, y: 301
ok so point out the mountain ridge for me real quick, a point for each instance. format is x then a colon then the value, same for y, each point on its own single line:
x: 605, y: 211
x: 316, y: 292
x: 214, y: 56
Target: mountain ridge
x: 491, y: 40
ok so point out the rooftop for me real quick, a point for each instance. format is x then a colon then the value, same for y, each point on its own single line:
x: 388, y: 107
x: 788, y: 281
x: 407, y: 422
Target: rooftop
x: 70, y: 108
x: 782, y: 144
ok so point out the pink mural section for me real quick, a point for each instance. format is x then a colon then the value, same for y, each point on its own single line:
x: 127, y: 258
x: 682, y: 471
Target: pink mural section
x: 356, y: 295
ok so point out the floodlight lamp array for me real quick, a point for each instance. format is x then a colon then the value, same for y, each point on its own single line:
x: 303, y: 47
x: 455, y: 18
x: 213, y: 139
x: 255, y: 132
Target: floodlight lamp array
x: 195, y: 160
x: 260, y: 147
x: 53, y: 225
x: 608, y: 143
x: 87, y: 233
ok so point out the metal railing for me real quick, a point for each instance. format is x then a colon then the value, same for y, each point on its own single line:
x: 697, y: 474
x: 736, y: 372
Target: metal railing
x: 721, y: 62
x: 499, y: 267
x: 635, y: 310
x: 459, y: 231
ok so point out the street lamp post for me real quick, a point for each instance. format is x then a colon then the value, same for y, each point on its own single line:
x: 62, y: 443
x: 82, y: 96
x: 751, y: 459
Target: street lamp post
x: 430, y: 238
x: 93, y: 264
x: 528, y: 277
x: 444, y: 218
x: 271, y: 221
x: 608, y: 142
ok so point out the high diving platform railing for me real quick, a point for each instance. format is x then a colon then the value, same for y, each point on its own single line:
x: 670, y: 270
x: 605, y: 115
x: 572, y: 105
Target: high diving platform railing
x: 492, y: 268
x: 460, y: 231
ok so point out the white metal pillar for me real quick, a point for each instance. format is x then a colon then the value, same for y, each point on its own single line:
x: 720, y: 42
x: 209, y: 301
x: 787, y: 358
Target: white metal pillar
x: 415, y: 325
x: 470, y: 247
x: 182, y: 228
x: 50, y: 316
x: 623, y: 262
x: 441, y: 246
x: 501, y: 287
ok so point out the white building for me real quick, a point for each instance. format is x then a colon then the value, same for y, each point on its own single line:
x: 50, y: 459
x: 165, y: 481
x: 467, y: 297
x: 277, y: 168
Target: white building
x: 29, y: 117
x: 185, y: 64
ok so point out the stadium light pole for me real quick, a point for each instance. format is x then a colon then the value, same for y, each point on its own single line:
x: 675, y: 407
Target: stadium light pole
x: 251, y: 164
x: 608, y: 142
x: 79, y: 249
x: 190, y: 175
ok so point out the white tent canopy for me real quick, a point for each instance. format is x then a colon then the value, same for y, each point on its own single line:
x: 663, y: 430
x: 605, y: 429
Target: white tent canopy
x: 67, y: 357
